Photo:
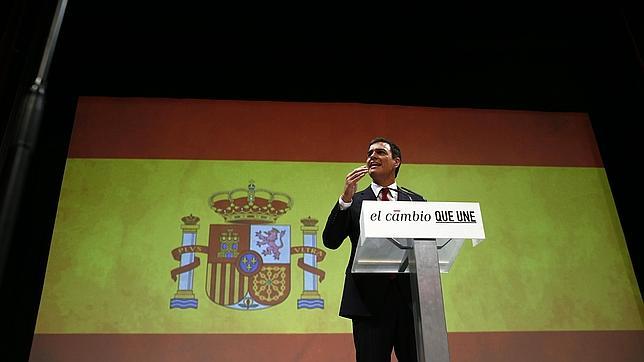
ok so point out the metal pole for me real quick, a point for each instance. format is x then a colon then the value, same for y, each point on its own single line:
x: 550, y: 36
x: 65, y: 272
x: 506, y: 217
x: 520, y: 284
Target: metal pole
x: 26, y: 119
x: 427, y: 299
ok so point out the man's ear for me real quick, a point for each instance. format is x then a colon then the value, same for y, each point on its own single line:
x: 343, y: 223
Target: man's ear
x: 397, y: 162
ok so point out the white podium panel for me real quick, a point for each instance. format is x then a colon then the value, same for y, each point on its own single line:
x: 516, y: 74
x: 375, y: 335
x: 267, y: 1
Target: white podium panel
x: 389, y: 228
x: 421, y: 220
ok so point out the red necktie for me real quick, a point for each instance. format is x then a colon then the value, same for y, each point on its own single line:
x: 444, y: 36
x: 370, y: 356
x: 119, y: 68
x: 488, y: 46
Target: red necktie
x: 384, y: 194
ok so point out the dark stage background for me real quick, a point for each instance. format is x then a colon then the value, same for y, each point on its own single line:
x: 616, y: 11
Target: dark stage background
x: 549, y: 59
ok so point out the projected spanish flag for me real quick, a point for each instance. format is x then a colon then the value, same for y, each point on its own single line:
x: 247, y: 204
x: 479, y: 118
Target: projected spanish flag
x: 191, y: 230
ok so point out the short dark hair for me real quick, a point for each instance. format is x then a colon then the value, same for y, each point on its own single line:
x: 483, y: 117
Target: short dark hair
x: 395, y: 150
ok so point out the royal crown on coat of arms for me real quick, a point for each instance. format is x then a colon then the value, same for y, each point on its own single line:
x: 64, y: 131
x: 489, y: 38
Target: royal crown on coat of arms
x: 251, y: 205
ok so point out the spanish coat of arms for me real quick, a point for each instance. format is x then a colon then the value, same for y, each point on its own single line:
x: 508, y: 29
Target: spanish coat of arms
x: 249, y: 256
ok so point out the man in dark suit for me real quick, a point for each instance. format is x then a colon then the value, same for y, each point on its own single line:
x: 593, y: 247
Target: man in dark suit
x: 379, y: 305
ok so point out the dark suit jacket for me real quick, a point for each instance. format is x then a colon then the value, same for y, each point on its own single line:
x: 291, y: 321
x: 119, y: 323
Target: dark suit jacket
x: 363, y: 294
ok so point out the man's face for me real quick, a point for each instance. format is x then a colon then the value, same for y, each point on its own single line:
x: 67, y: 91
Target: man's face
x: 380, y: 161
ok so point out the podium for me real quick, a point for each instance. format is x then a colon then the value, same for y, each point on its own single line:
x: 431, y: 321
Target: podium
x: 423, y: 239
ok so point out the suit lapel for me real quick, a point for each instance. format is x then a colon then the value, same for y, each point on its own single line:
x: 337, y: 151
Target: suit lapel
x: 367, y: 194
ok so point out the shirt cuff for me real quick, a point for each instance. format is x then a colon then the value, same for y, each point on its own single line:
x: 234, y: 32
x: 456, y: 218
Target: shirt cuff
x: 344, y: 205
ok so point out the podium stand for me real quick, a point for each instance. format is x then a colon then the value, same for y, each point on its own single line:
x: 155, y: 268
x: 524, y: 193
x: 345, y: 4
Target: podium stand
x: 423, y: 239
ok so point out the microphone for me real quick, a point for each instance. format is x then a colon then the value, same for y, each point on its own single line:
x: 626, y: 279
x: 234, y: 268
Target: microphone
x: 399, y: 189
x: 409, y: 192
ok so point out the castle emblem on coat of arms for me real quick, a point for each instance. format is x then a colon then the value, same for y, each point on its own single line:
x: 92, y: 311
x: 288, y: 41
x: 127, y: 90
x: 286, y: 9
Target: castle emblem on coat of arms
x: 249, y: 256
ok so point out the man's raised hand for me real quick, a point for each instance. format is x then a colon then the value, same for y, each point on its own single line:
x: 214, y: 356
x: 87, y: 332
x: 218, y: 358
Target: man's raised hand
x: 351, y: 182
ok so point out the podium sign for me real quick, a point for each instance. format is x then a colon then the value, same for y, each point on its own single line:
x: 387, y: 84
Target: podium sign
x: 447, y: 222
x: 421, y: 220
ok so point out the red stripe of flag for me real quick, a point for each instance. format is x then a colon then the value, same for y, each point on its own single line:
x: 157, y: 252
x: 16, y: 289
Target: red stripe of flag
x: 280, y: 131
